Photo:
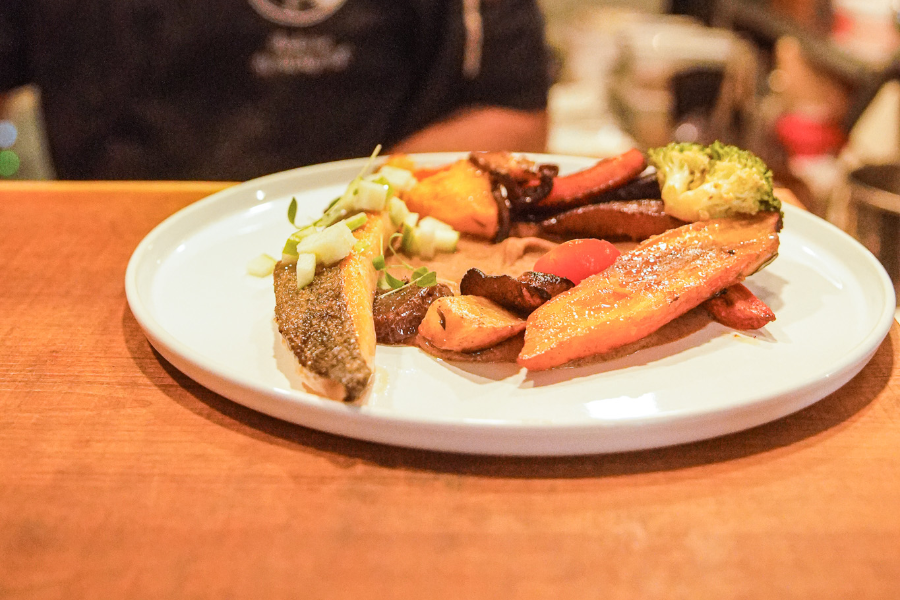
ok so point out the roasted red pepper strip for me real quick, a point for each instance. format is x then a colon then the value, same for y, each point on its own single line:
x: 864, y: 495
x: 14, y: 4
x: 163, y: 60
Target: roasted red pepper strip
x: 578, y: 188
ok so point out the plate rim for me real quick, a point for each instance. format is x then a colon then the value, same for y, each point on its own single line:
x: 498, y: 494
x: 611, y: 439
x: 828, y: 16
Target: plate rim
x: 517, y: 438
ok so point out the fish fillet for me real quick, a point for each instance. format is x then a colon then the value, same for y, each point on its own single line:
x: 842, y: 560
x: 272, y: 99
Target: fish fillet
x: 328, y: 324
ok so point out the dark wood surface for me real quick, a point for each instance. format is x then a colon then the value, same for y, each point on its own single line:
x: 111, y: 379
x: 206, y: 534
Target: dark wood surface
x: 121, y: 478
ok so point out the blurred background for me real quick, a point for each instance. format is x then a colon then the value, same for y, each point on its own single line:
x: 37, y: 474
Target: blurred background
x: 809, y: 85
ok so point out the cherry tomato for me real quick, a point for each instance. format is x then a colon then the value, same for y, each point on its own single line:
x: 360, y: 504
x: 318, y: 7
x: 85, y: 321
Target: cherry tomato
x: 578, y: 259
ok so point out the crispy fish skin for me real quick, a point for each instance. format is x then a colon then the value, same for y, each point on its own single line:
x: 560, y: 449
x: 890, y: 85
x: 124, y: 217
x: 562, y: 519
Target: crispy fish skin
x: 328, y: 324
x: 661, y: 279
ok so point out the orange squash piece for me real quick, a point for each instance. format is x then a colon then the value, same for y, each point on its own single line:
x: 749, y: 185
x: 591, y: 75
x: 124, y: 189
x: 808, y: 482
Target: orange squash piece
x: 468, y: 323
x: 661, y: 279
x: 460, y: 196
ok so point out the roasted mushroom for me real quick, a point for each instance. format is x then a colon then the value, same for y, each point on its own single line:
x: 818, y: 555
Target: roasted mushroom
x: 522, y: 295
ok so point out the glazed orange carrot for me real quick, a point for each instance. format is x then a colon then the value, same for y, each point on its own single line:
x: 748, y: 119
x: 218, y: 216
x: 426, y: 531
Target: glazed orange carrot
x: 578, y: 188
x: 738, y: 308
x: 661, y: 279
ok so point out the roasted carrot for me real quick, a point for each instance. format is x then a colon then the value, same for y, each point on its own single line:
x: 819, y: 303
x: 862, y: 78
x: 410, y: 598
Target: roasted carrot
x: 738, y: 308
x: 661, y: 279
x: 633, y: 220
x: 578, y: 188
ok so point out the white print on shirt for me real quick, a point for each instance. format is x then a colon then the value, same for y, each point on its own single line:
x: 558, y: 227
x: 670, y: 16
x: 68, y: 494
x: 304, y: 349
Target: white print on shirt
x: 296, y: 13
x: 296, y: 53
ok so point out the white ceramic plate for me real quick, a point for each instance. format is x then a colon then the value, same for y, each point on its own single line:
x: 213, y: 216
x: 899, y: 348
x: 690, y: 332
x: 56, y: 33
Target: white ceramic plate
x: 187, y: 286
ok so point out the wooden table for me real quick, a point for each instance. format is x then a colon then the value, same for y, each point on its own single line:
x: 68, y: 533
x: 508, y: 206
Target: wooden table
x: 121, y: 478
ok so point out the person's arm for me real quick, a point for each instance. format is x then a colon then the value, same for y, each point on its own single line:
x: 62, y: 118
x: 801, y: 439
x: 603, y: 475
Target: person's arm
x: 481, y: 128
x: 4, y: 103
x: 500, y: 96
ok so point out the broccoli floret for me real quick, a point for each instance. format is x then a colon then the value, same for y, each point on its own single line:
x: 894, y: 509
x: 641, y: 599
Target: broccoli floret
x: 708, y: 182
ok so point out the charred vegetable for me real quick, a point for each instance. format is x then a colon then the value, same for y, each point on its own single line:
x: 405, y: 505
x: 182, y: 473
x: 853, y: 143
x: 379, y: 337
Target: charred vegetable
x: 518, y: 185
x: 521, y: 295
x: 632, y: 220
x: 738, y: 308
x: 399, y: 313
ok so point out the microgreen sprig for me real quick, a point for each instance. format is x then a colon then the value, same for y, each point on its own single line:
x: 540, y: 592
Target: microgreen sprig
x: 292, y: 211
x: 419, y: 276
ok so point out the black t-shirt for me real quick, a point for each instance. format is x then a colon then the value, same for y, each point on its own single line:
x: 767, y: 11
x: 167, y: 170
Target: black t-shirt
x: 233, y: 89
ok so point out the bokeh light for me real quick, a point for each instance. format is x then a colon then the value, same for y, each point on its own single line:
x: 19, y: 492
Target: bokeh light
x: 8, y: 134
x: 9, y: 163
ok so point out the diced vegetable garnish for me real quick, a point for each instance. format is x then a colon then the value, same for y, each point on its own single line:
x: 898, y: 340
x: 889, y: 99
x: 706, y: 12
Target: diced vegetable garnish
x: 338, y: 209
x: 427, y: 236
x: 423, y: 242
x: 432, y: 223
x: 356, y: 221
x: 578, y: 259
x: 400, y: 179
x: 329, y: 245
x: 261, y: 266
x: 407, y: 229
x: 289, y: 254
x: 370, y: 195
x: 330, y: 238
x: 445, y: 240
x: 306, y: 269
x: 397, y: 210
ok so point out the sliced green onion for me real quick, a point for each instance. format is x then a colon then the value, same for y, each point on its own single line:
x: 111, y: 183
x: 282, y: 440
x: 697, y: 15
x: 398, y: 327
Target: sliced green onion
x: 338, y: 210
x: 408, y: 229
